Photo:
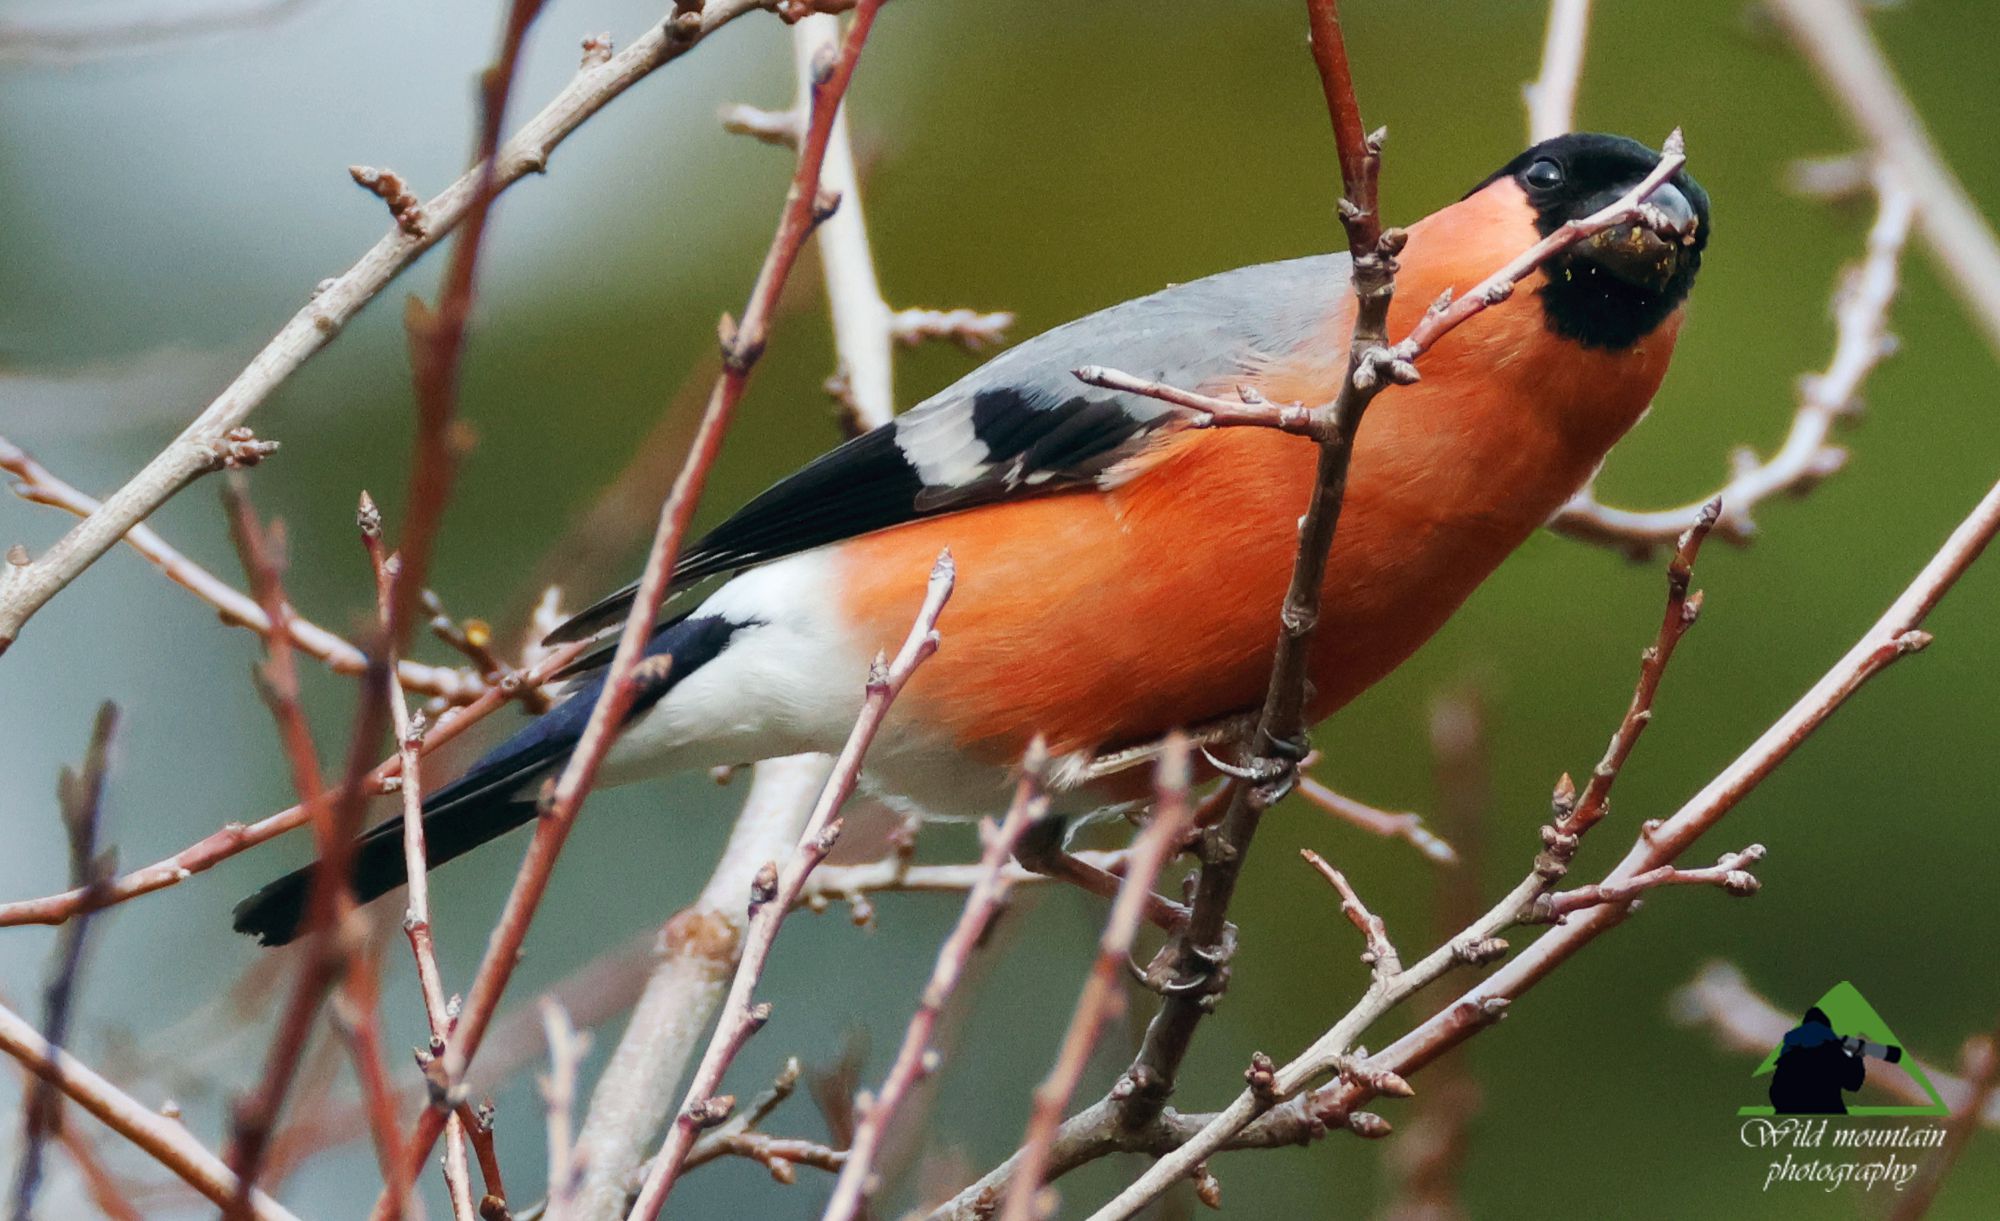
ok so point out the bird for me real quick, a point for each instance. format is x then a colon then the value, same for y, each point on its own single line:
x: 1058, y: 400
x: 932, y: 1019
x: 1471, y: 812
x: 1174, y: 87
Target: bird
x: 1119, y: 572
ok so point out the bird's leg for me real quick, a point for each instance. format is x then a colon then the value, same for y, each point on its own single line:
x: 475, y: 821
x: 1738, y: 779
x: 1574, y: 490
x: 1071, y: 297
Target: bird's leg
x: 1041, y: 851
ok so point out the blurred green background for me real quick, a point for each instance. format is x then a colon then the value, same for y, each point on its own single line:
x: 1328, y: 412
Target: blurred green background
x: 165, y: 212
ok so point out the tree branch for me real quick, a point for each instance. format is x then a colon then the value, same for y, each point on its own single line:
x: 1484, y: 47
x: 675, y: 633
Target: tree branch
x: 162, y: 1139
x: 38, y: 484
x: 775, y: 891
x: 1861, y: 342
x: 25, y: 589
x: 915, y: 1058
x: 1103, y: 991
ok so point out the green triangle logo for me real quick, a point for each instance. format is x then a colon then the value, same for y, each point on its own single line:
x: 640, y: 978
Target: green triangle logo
x: 1852, y: 1016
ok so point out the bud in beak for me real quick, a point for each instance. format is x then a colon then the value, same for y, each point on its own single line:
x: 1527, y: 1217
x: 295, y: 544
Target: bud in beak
x: 1646, y: 252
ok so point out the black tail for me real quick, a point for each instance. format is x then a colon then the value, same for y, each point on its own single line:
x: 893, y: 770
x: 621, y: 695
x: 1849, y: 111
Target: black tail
x: 494, y: 796
x: 274, y: 914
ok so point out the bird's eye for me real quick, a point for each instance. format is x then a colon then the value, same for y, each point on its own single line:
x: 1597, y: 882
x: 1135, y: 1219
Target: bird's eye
x: 1543, y: 175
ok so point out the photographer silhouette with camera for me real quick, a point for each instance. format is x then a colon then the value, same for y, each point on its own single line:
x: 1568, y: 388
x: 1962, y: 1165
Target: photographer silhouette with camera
x: 1816, y: 1064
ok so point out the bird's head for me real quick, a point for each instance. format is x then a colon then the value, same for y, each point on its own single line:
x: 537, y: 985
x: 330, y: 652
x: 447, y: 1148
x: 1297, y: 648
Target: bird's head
x: 1613, y: 289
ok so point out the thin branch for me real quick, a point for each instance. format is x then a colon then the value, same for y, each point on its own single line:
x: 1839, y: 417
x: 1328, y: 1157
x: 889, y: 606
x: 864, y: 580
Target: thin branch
x: 161, y: 1138
x: 234, y: 838
x: 1193, y: 960
x: 1103, y: 992
x: 1731, y: 873
x: 1895, y: 635
x: 474, y: 638
x: 80, y: 802
x: 681, y: 984
x: 103, y: 1187
x: 437, y: 342
x: 25, y: 589
x: 863, y: 323
x: 478, y: 1124
x: 1373, y: 365
x: 805, y: 207
x: 1551, y: 97
x: 1836, y: 42
x: 1477, y: 943
x: 779, y: 1155
x: 848, y: 883
x: 1380, y: 956
x: 36, y: 483
x: 776, y: 891
x: 409, y: 735
x: 916, y: 1059
x: 1406, y: 826
x: 356, y: 1018
x: 1683, y: 609
x: 1807, y: 456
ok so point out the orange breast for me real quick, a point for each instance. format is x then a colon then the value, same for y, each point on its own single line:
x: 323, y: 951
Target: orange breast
x: 1105, y: 618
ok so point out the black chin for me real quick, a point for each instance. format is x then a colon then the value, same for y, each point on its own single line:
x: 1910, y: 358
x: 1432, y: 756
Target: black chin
x: 1594, y: 306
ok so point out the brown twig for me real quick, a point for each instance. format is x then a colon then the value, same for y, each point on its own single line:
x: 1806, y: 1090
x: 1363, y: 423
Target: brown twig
x: 742, y: 344
x: 1380, y: 955
x: 1406, y: 826
x: 1391, y: 983
x: 356, y: 1017
x: 328, y: 953
x: 36, y: 483
x: 1683, y: 609
x: 80, y: 802
x: 863, y: 323
x: 234, y: 838
x: 1861, y: 341
x: 103, y: 1187
x: 436, y: 343
x: 1731, y: 873
x: 1195, y: 959
x: 478, y: 1125
x: 474, y: 639
x: 1103, y: 991
x: 162, y: 1139
x: 915, y: 1057
x: 1896, y: 634
x: 25, y: 589
x: 738, y: 1137
x: 776, y: 891
x: 409, y: 735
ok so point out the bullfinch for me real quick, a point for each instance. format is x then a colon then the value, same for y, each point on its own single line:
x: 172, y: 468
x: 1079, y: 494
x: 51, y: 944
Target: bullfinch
x: 1118, y: 572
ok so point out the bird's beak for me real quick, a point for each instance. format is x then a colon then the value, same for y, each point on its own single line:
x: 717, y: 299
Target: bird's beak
x: 1646, y: 252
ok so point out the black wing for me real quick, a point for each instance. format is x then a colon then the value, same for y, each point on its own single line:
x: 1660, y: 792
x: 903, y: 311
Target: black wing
x: 1021, y: 424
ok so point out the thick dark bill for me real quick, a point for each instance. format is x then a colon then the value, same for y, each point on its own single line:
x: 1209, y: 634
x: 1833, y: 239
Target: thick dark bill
x: 1647, y: 251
